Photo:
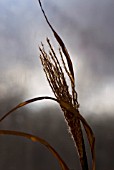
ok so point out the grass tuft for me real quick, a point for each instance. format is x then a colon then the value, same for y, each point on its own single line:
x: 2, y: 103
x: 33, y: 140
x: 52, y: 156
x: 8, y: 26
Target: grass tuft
x: 67, y: 99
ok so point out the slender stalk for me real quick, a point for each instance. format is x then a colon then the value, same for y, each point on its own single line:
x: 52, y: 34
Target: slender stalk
x: 68, y: 102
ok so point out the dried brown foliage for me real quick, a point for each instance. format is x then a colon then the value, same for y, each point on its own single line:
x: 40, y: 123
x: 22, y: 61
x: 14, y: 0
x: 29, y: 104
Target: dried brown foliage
x: 55, y: 72
x: 37, y: 139
x: 57, y: 81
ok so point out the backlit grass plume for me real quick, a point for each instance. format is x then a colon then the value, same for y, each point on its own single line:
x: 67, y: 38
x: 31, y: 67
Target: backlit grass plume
x: 65, y: 94
x: 68, y: 102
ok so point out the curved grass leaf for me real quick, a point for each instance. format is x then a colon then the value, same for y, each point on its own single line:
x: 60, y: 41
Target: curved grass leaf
x: 69, y: 108
x: 61, y: 43
x: 40, y: 140
x: 25, y: 103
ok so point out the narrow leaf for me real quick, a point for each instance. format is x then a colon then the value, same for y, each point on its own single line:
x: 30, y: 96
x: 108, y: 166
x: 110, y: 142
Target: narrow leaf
x: 25, y: 103
x: 40, y: 140
x: 60, y: 41
x: 91, y: 139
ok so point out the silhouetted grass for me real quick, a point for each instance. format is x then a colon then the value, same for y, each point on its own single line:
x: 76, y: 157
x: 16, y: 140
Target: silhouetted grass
x: 55, y: 72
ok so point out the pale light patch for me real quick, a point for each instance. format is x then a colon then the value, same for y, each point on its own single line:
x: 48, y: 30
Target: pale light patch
x: 102, y: 101
x: 27, y: 83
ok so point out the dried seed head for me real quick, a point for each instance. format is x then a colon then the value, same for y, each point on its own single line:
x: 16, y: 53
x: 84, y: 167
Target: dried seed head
x: 56, y: 77
x: 54, y: 73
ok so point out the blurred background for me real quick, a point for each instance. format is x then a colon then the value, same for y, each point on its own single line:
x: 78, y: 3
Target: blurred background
x: 86, y: 27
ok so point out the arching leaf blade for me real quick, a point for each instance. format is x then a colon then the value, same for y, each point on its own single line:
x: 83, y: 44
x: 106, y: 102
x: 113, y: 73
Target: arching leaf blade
x: 41, y: 141
x: 61, y: 43
x: 25, y: 103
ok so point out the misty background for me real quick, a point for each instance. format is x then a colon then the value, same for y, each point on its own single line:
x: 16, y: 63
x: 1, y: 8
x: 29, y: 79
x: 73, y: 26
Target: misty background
x: 86, y: 27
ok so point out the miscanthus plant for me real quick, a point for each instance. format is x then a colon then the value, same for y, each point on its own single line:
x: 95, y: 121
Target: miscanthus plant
x: 59, y: 74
